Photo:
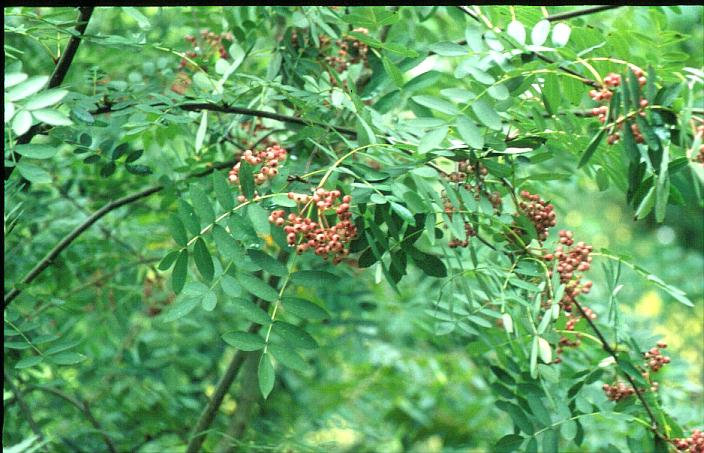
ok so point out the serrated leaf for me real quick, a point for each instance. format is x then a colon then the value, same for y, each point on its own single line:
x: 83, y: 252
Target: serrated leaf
x: 21, y: 122
x: 469, y: 132
x: 33, y: 173
x: 202, y: 128
x: 45, y: 99
x: 265, y: 375
x: 314, y: 278
x: 246, y: 180
x: 222, y: 191
x: 209, y: 300
x: 430, y: 264
x: 251, y: 311
x: 66, y: 358
x: 304, y: 309
x: 431, y: 140
x: 487, y: 115
x: 204, y: 262
x: 294, y: 336
x: 227, y: 246
x: 178, y: 275
x: 37, y: 151
x: 202, y: 205
x: 646, y: 205
x: 436, y: 103
x: 244, y: 341
x: 257, y: 287
x: 540, y: 32
x: 591, y: 147
x: 26, y: 88
x: 268, y: 263
x: 28, y: 362
x: 52, y: 117
x: 288, y: 357
x: 561, y: 34
x: 177, y: 230
x: 517, y: 31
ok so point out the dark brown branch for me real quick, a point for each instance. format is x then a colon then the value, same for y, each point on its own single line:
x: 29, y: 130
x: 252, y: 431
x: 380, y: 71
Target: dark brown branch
x: 23, y: 406
x: 210, y: 410
x: 58, y: 75
x: 67, y: 240
x: 247, y: 400
x: 85, y: 410
x: 607, y: 347
x: 539, y: 55
x: 580, y: 12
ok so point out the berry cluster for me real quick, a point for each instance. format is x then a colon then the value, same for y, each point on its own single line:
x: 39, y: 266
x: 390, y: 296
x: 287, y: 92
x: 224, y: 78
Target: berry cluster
x: 570, y: 261
x: 214, y: 42
x: 654, y: 358
x: 466, y: 170
x: 700, y: 157
x: 468, y: 231
x: 618, y: 391
x: 350, y: 51
x: 216, y: 47
x: 323, y: 238
x: 540, y: 212
x: 693, y: 444
x: 269, y: 158
x: 612, y: 81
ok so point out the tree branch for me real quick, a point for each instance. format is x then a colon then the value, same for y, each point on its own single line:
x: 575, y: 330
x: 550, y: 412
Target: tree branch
x: 67, y: 240
x: 23, y: 406
x: 210, y: 410
x: 580, y: 12
x: 585, y: 80
x: 82, y: 406
x: 58, y: 75
x: 607, y: 347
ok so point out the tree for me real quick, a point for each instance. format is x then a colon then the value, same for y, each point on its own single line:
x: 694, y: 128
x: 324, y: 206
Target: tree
x: 259, y: 165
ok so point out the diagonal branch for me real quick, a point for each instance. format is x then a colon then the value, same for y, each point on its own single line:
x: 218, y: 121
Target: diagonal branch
x: 612, y: 353
x: 23, y: 406
x: 556, y: 17
x: 210, y: 410
x: 82, y: 406
x: 58, y: 75
x: 581, y: 12
x: 67, y: 240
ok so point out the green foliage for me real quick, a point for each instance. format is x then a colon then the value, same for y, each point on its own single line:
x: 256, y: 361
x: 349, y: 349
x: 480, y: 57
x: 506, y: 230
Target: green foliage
x: 145, y: 256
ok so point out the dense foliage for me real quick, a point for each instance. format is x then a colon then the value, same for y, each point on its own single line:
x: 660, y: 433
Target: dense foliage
x: 353, y: 229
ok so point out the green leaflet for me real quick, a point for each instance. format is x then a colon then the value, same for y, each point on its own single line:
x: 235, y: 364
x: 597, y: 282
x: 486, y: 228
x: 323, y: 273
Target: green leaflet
x: 244, y: 341
x: 204, y: 262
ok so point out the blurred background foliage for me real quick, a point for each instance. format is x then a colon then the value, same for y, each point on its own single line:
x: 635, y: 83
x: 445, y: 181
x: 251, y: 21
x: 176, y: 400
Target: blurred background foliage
x: 383, y: 380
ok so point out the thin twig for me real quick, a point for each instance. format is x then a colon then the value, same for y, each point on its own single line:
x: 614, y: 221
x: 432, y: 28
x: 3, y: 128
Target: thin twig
x: 210, y: 410
x: 612, y: 353
x: 58, y: 75
x: 67, y: 240
x: 539, y: 55
x: 82, y: 406
x: 580, y: 12
x: 23, y: 406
